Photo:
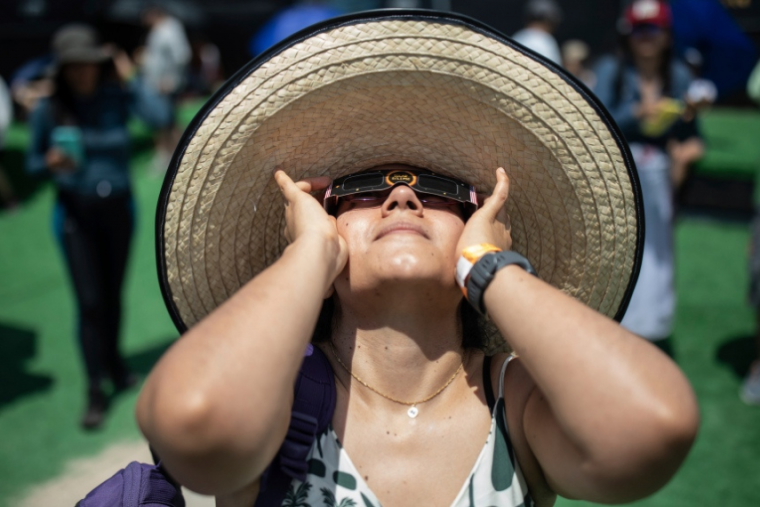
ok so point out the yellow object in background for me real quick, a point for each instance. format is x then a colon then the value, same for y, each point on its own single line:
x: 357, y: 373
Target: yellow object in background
x: 669, y: 111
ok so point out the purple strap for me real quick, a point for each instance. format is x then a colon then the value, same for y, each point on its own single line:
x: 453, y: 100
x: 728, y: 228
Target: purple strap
x: 142, y: 485
x: 313, y: 407
x: 137, y: 485
x: 297, y: 444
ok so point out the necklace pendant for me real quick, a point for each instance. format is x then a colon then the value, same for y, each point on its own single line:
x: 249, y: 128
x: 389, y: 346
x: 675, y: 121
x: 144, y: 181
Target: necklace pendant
x: 412, y: 412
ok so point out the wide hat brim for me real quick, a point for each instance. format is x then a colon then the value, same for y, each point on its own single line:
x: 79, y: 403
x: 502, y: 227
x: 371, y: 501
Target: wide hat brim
x: 82, y: 55
x: 433, y: 90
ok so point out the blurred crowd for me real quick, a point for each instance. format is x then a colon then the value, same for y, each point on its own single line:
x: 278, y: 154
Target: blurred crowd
x: 673, y: 60
x: 654, y: 87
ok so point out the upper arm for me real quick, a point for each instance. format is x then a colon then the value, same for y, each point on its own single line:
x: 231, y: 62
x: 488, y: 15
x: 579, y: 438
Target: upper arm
x: 621, y: 108
x: 40, y: 126
x: 148, y: 105
x: 630, y: 470
x: 559, y: 460
x: 682, y: 78
x: 604, y: 71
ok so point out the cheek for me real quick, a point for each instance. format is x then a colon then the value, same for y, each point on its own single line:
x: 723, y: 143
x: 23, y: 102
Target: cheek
x: 449, y: 233
x: 353, y: 226
x: 448, y: 224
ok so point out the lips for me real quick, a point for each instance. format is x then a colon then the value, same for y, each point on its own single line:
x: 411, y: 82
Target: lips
x: 401, y: 228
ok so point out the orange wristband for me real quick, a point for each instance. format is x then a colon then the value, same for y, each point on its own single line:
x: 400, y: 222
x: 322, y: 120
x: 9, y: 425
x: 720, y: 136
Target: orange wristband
x: 470, y: 256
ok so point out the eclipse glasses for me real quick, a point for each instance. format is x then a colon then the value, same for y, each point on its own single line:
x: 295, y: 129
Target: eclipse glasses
x: 421, y: 181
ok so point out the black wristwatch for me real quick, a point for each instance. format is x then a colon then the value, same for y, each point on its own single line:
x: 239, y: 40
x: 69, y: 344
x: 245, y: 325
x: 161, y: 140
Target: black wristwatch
x: 485, y: 269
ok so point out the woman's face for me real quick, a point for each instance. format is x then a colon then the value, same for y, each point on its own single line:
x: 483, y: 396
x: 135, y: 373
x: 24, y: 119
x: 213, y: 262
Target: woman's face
x: 82, y: 78
x: 648, y: 41
x: 398, y: 241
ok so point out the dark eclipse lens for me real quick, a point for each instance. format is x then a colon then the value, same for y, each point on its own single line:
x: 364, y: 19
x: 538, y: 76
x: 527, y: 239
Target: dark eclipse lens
x: 362, y: 181
x: 430, y: 182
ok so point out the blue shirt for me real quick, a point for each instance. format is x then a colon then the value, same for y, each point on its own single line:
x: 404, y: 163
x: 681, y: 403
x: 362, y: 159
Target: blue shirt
x: 706, y: 25
x: 622, y: 107
x: 102, y: 119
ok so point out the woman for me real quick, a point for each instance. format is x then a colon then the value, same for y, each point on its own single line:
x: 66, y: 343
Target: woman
x: 388, y: 113
x: 80, y: 139
x: 646, y: 92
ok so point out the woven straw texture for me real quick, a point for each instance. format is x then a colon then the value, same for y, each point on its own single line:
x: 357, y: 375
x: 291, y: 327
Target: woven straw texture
x: 431, y: 94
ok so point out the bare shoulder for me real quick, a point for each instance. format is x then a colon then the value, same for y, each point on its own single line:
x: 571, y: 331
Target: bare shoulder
x: 518, y: 387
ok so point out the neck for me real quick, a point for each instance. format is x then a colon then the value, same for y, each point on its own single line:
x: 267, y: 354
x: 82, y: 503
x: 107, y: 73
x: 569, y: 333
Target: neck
x: 542, y: 26
x: 83, y: 95
x: 648, y: 67
x: 405, y: 347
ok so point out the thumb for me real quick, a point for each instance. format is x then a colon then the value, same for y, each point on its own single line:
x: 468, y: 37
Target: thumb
x: 495, y: 202
x: 287, y: 186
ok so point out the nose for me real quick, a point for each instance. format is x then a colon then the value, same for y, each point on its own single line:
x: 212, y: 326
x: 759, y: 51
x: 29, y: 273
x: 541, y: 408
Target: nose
x: 402, y: 198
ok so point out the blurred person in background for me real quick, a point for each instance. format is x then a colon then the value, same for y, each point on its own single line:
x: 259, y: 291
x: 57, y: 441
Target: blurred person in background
x: 79, y: 138
x: 750, y: 390
x: 702, y: 92
x: 575, y: 59
x: 288, y: 21
x: 645, y: 89
x: 542, y: 17
x: 31, y: 82
x: 7, y: 196
x: 205, y: 73
x: 727, y: 53
x: 164, y: 65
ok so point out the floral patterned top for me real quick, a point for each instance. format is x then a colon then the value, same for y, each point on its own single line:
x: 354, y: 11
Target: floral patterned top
x: 495, y: 480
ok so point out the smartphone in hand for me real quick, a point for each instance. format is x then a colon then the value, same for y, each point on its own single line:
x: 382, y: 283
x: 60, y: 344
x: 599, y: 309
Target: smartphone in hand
x: 68, y: 139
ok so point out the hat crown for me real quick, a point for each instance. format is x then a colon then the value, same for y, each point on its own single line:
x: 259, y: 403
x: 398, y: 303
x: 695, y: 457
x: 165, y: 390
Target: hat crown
x: 74, y: 39
x: 440, y: 92
x: 543, y: 10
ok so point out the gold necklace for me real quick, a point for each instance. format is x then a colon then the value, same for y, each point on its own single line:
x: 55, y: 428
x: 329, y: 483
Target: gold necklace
x: 413, y: 410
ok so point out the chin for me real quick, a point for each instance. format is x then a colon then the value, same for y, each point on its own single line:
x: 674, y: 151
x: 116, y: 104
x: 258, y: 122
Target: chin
x: 403, y: 268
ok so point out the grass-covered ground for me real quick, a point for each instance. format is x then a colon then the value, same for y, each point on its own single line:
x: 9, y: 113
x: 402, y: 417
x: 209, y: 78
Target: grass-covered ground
x: 41, y: 380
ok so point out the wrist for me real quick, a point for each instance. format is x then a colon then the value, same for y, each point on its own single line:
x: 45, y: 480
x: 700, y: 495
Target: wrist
x: 321, y: 252
x: 467, y: 260
x: 319, y: 246
x: 485, y: 270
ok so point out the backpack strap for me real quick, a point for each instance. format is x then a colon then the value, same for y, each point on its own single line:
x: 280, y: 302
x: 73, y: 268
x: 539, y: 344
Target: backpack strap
x: 138, y: 484
x: 313, y: 407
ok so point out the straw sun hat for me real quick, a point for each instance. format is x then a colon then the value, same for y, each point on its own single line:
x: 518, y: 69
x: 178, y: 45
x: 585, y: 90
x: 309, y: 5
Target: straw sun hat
x: 431, y: 90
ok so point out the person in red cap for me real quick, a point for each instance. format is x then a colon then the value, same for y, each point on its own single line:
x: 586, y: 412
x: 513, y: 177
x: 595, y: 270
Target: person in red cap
x: 649, y: 12
x: 646, y: 90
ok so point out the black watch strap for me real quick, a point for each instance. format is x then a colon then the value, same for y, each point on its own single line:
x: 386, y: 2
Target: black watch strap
x: 485, y: 269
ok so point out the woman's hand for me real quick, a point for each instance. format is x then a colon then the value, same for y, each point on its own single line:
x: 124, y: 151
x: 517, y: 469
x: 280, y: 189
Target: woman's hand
x: 682, y: 155
x: 307, y: 219
x: 58, y: 162
x: 490, y: 224
x: 125, y: 68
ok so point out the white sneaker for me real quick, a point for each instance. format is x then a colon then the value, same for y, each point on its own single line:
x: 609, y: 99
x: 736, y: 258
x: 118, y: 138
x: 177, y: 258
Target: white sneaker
x: 750, y: 391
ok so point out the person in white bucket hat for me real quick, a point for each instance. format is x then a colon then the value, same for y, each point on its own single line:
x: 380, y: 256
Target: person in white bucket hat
x: 327, y: 196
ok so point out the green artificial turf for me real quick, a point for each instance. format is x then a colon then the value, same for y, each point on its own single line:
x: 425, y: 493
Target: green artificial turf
x: 41, y: 376
x: 713, y: 345
x: 42, y: 385
x: 730, y: 137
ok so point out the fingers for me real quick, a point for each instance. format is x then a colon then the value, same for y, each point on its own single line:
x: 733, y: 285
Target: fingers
x: 495, y: 202
x: 287, y: 186
x: 291, y: 189
x: 314, y: 184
